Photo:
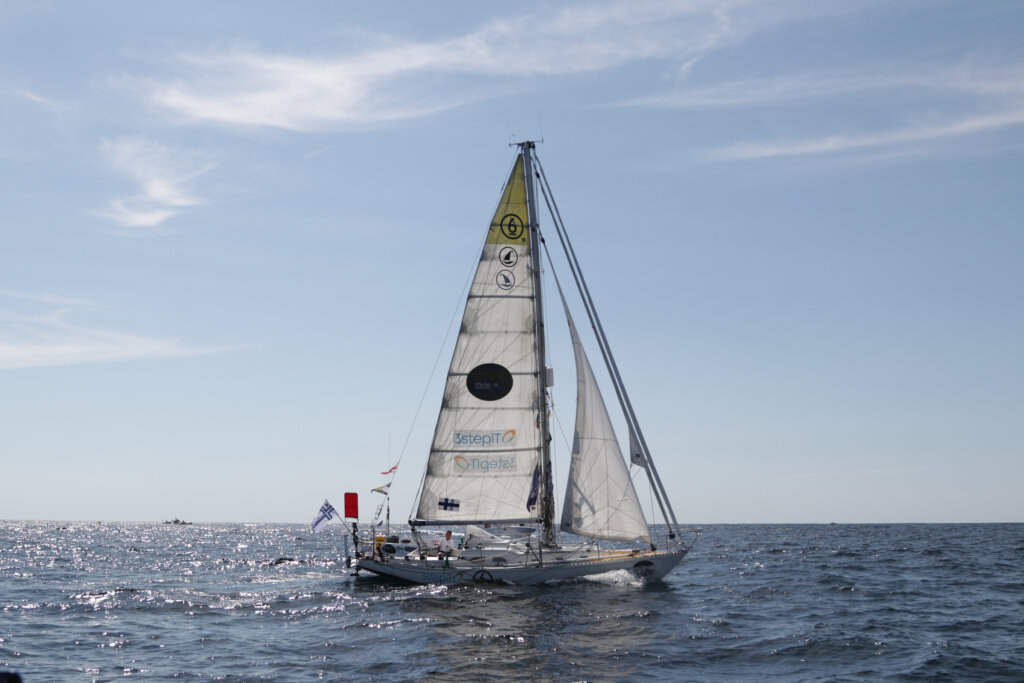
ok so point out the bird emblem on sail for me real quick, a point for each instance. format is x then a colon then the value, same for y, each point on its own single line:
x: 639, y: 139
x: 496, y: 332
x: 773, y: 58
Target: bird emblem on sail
x: 506, y: 280
x: 508, y: 256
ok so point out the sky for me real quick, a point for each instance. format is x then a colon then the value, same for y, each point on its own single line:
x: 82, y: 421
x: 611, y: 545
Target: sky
x: 234, y: 238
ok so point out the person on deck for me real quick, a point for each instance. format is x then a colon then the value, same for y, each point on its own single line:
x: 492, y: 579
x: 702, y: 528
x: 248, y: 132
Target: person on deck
x: 446, y: 546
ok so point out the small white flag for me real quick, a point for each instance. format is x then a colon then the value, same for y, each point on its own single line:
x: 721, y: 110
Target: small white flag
x: 326, y: 514
x: 382, y: 489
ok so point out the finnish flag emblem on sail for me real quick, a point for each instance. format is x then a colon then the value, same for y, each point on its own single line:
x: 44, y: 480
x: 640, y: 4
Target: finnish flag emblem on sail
x: 448, y: 504
x: 326, y: 514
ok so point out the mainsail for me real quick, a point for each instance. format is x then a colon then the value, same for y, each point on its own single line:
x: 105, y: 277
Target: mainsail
x: 486, y: 452
x: 600, y: 500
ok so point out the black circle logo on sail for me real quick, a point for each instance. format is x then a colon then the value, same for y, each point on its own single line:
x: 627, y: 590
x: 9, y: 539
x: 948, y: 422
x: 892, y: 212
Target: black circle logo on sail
x: 489, y: 382
x: 512, y: 226
x: 508, y: 256
x: 505, y: 279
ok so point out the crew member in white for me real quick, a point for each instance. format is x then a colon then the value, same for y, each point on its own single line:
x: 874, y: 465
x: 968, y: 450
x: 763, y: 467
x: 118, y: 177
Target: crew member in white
x: 446, y: 545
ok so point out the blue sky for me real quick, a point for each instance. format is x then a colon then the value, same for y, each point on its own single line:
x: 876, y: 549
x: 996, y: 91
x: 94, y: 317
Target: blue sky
x: 234, y: 237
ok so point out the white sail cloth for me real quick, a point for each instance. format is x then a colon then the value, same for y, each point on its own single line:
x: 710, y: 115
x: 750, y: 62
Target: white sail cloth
x: 600, y: 500
x: 486, y: 446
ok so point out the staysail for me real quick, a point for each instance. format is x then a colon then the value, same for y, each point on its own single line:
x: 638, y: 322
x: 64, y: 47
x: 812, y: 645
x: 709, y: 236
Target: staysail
x: 600, y: 500
x: 485, y: 456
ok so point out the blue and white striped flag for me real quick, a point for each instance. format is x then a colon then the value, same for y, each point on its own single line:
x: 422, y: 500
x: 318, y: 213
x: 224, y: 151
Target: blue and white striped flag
x: 326, y: 514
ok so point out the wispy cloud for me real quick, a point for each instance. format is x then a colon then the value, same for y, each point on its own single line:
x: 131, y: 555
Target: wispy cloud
x: 843, y: 143
x: 37, y: 99
x: 164, y: 176
x: 1001, y: 82
x: 44, y: 298
x: 397, y: 79
x: 35, y: 331
x: 404, y: 79
x: 923, y: 103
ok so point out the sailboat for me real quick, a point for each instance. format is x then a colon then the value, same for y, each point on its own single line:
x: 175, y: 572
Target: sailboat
x: 490, y: 470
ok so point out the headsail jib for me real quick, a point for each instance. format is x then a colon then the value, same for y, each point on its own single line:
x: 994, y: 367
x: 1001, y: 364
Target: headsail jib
x: 600, y: 500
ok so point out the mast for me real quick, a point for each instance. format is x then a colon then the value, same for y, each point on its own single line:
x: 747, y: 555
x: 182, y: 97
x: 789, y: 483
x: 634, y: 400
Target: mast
x: 547, y: 478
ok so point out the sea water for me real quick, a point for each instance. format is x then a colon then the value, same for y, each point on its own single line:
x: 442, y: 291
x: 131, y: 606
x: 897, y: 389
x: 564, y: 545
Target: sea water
x: 264, y: 602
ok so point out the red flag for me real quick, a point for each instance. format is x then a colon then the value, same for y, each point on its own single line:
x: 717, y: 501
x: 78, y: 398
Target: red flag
x: 391, y: 470
x: 352, y: 506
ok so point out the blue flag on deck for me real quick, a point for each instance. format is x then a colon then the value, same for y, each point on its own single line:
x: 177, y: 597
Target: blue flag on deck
x: 326, y: 514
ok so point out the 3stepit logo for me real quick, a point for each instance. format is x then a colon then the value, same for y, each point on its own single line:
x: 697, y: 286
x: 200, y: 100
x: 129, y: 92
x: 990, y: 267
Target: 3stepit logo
x: 480, y: 438
x: 476, y: 464
x: 474, y: 439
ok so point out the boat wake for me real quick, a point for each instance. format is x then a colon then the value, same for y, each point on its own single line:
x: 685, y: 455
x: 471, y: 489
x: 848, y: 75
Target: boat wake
x: 617, y: 577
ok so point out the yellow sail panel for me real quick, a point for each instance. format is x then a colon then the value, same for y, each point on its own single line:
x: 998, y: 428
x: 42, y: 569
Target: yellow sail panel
x: 510, y: 223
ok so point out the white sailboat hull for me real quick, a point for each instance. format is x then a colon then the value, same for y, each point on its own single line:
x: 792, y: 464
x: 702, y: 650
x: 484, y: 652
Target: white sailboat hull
x: 646, y: 566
